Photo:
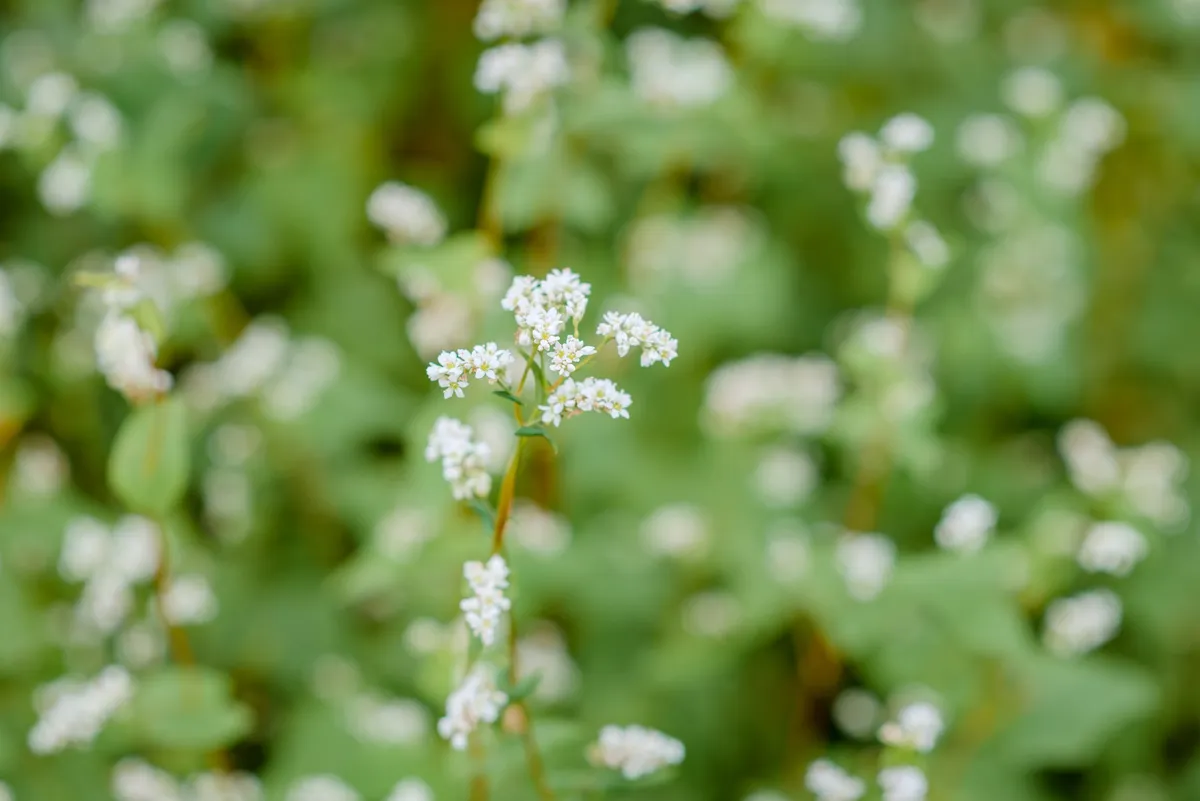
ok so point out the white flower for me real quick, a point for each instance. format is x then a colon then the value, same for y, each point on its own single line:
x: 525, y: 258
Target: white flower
x: 567, y: 355
x: 189, y: 600
x: 50, y: 94
x: 543, y: 652
x: 1090, y: 456
x: 678, y: 530
x: 464, y: 459
x: 95, y: 122
x: 865, y: 562
x: 833, y: 20
x: 632, y: 330
x: 1082, y: 622
x: 135, y: 780
x: 125, y: 356
x: 475, y: 701
x: 110, y: 563
x: 828, y: 782
x: 72, y: 713
x: 987, y: 140
x: 917, y: 726
x: 485, y: 609
x: 321, y: 788
x: 903, y: 783
x: 769, y: 391
x: 1112, y: 547
x: 537, y: 530
x: 907, y: 133
x: 669, y: 71
x: 523, y: 73
x: 965, y: 525
x: 785, y: 476
x: 1032, y: 92
x: 927, y: 244
x: 861, y: 160
x: 855, y: 711
x: 386, y: 721
x: 451, y: 372
x: 517, y: 18
x: 891, y: 196
x: 411, y: 790
x: 635, y: 750
x: 406, y: 214
x: 66, y: 184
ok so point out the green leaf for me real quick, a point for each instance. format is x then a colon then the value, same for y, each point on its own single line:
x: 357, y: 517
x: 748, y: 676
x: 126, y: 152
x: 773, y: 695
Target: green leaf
x: 523, y: 688
x: 189, y: 708
x: 504, y: 393
x: 148, y: 466
x: 536, y: 431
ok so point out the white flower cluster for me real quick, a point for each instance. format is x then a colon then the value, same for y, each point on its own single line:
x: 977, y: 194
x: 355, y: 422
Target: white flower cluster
x: 828, y: 782
x: 1149, y: 478
x: 288, y: 376
x: 590, y: 394
x: 1111, y: 547
x: 72, y: 713
x: 464, y: 459
x: 537, y: 530
x: 903, y: 783
x: 988, y: 140
x: 475, y: 701
x: 188, y: 600
x: 522, y: 73
x: 1082, y: 622
x: 322, y: 787
x: 1088, y: 130
x: 125, y: 355
x: 406, y: 214
x: 453, y: 369
x: 702, y: 251
x: 865, y: 562
x: 110, y: 562
x: 668, y: 71
x: 635, y: 750
x: 917, y: 726
x: 380, y: 720
x: 879, y: 168
x: 485, y: 608
x: 518, y: 18
x: 135, y: 780
x: 40, y: 468
x: 713, y: 8
x: 631, y: 331
x: 834, y: 20
x: 543, y: 306
x: 965, y: 525
x: 796, y: 393
x: 411, y: 790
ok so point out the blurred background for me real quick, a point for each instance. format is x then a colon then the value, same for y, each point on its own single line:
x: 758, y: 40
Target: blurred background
x: 750, y: 563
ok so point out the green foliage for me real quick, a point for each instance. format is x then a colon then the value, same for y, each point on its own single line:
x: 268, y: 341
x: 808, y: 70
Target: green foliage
x: 148, y: 468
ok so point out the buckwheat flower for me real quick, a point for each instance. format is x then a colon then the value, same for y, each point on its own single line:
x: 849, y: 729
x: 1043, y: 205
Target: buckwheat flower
x: 602, y: 395
x: 635, y: 751
x: 1032, y: 92
x: 903, y: 783
x: 475, y: 701
x: 523, y: 294
x: 965, y: 525
x: 559, y: 403
x: 487, y: 361
x: 891, y: 196
x: 544, y: 326
x: 1152, y: 481
x: 927, y: 244
x: 66, y: 184
x: 987, y: 140
x: 40, y: 467
x: 485, y: 609
x: 464, y: 459
x: 451, y: 372
x: 224, y: 787
x: 125, y: 356
x: 917, y: 726
x: 565, y: 288
x: 856, y: 711
x: 189, y: 600
x: 411, y: 790
x: 832, y: 20
x: 517, y: 18
x: 1082, y: 623
x: 678, y: 530
x: 785, y: 477
x: 73, y: 713
x: 406, y: 214
x: 765, y: 392
x: 523, y: 74
x: 631, y: 330
x: 828, y: 782
x: 1111, y: 547
x: 1090, y: 456
x: 449, y: 437
x: 537, y: 530
x: 865, y: 562
x: 669, y: 71
x: 386, y: 721
x: 50, y: 94
x: 135, y: 780
x: 906, y: 133
x: 323, y: 787
x: 861, y: 160
x: 95, y: 122
x: 1093, y: 125
x: 567, y: 355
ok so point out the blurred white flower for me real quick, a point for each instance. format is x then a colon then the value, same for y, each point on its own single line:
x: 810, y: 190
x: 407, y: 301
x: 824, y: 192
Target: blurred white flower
x: 903, y: 783
x: 135, y: 780
x: 184, y: 46
x: 109, y: 563
x: 386, y: 721
x: 635, y: 750
x: 95, y: 122
x: 522, y: 73
x: 518, y: 18
x: 988, y: 140
x: 125, y: 354
x: 464, y: 459
x: 1112, y: 547
x: 678, y: 530
x: 927, y: 244
x: 965, y: 525
x: 865, y: 561
x: 714, y: 614
x: 1082, y: 623
x: 544, y: 652
x: 917, y: 726
x: 112, y: 16
x: 50, y: 94
x: 475, y: 701
x: 891, y: 196
x: 72, y: 713
x: 66, y: 184
x: 1032, y: 92
x: 828, y: 782
x: 189, y: 600
x: 906, y: 133
x: 856, y: 712
x: 406, y: 214
x: 536, y: 530
x: 835, y: 20
x: 487, y: 606
x: 669, y: 71
x: 40, y: 467
x: 785, y: 477
x: 772, y: 391
x: 323, y: 787
x: 411, y: 790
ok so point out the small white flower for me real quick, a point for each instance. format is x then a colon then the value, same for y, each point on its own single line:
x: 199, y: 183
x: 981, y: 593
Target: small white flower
x: 523, y: 74
x: 856, y: 711
x: 73, y: 713
x: 1032, y: 92
x: 485, y: 609
x: 387, y: 721
x: 464, y: 459
x: 517, y: 18
x: 965, y: 525
x: 669, y: 71
x: 907, y: 133
x: 1082, y: 622
x: 411, y: 790
x: 891, y: 196
x: 50, y: 94
x: 927, y: 244
x: 903, y: 783
x: 189, y: 600
x: 475, y: 701
x: 451, y: 372
x: 636, y: 751
x: 828, y: 782
x: 321, y: 788
x: 865, y: 562
x: 917, y: 726
x: 988, y: 140
x: 66, y: 184
x: 125, y: 355
x: 406, y: 214
x: 568, y: 354
x: 1112, y: 547
x: 861, y: 160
